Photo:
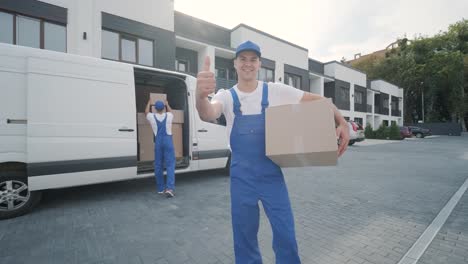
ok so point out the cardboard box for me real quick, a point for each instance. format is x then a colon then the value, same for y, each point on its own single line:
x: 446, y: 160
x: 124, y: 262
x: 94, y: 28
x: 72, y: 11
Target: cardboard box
x: 146, y: 142
x: 141, y: 119
x: 146, y: 139
x: 178, y: 116
x: 142, y: 95
x: 301, y: 135
x: 177, y: 140
x: 156, y: 97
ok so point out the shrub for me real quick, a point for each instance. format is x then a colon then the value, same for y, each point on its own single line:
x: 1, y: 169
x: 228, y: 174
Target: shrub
x: 394, y: 132
x: 369, y: 132
x: 380, y: 132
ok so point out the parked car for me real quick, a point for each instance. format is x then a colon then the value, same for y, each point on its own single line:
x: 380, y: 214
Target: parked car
x: 356, y: 132
x: 420, y: 132
x: 405, y: 132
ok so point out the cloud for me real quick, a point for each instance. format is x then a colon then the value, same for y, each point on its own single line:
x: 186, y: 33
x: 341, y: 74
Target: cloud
x: 334, y: 28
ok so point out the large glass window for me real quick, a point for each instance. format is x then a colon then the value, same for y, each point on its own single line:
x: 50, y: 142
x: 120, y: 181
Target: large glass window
x: 110, y: 45
x: 385, y: 103
x: 358, y: 97
x: 32, y: 32
x: 145, y: 52
x: 28, y: 32
x: 182, y: 65
x: 128, y: 50
x: 55, y: 37
x: 220, y: 73
x: 232, y: 74
x: 358, y: 120
x: 293, y: 80
x: 344, y: 94
x: 266, y: 75
x: 6, y: 28
x: 123, y: 47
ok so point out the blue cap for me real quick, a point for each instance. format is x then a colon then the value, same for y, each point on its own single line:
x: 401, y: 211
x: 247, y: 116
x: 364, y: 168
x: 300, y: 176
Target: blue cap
x: 159, y: 105
x: 248, y: 46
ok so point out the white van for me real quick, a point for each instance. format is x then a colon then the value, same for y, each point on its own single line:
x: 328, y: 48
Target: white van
x: 68, y: 120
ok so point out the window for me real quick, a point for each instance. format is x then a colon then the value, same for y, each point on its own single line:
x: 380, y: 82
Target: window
x: 220, y: 73
x: 32, y: 32
x: 385, y: 103
x: 145, y: 52
x: 6, y: 28
x: 266, y: 75
x: 344, y: 94
x: 358, y: 120
x: 394, y: 122
x: 232, y: 74
x: 394, y: 105
x: 28, y: 32
x: 128, y: 50
x: 385, y: 123
x: 293, y: 80
x: 358, y: 97
x: 123, y: 47
x: 182, y: 65
x: 110, y: 45
x: 55, y: 37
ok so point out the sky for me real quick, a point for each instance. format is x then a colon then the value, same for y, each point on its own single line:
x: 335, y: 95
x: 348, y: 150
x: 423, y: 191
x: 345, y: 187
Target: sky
x: 333, y: 29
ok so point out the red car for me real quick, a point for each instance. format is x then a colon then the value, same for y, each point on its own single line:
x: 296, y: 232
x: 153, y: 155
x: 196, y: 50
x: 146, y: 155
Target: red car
x: 405, y: 132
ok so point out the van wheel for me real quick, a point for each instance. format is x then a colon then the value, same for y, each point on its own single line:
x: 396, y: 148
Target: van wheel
x: 351, y: 142
x: 15, y: 197
x: 419, y: 135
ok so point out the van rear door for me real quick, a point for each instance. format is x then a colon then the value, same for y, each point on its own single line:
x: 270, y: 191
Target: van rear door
x: 210, y: 144
x: 81, y: 121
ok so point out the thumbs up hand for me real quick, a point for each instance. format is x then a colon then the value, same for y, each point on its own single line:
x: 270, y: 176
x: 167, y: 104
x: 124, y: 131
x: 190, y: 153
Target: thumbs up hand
x: 206, y: 83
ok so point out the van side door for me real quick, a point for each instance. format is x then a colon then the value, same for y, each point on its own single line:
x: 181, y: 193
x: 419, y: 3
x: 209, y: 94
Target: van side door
x: 81, y: 125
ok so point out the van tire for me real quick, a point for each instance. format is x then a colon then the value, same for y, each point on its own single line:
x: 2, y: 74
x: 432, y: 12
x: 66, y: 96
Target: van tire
x: 10, y: 182
x: 351, y: 142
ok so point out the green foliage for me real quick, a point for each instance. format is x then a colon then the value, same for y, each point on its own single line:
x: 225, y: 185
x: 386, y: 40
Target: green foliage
x: 383, y: 132
x: 380, y: 132
x: 394, y: 132
x: 435, y: 66
x: 369, y: 132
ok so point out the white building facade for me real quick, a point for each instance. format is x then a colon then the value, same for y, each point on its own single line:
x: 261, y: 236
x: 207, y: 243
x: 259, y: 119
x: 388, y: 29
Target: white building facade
x: 152, y: 33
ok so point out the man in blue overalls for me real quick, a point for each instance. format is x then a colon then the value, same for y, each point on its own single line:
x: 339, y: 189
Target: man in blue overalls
x: 254, y: 177
x: 164, y: 154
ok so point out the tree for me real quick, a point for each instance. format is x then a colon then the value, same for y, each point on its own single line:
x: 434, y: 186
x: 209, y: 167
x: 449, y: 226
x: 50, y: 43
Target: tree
x: 434, y: 66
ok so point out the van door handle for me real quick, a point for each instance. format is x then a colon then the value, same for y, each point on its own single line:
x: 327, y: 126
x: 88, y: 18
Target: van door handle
x: 126, y: 130
x: 17, y: 121
x: 202, y: 130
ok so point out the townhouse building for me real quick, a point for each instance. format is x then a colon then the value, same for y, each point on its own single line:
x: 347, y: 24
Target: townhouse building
x: 152, y: 33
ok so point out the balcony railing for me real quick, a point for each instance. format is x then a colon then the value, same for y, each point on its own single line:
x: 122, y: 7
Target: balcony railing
x: 384, y: 111
x: 360, y: 107
x: 396, y: 112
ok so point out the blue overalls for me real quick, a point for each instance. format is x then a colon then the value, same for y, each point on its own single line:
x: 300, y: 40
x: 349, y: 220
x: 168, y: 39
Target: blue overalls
x: 255, y: 177
x: 164, y: 151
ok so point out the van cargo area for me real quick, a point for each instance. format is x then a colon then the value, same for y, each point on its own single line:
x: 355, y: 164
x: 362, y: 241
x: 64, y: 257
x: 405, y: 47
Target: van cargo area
x: 174, y: 88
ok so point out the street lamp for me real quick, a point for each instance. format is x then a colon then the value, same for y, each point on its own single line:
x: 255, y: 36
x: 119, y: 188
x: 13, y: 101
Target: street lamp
x: 422, y: 101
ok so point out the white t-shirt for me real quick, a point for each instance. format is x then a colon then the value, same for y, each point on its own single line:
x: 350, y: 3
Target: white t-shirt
x: 251, y: 103
x: 160, y: 117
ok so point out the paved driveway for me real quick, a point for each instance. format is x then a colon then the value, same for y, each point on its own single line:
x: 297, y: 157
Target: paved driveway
x: 369, y: 209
